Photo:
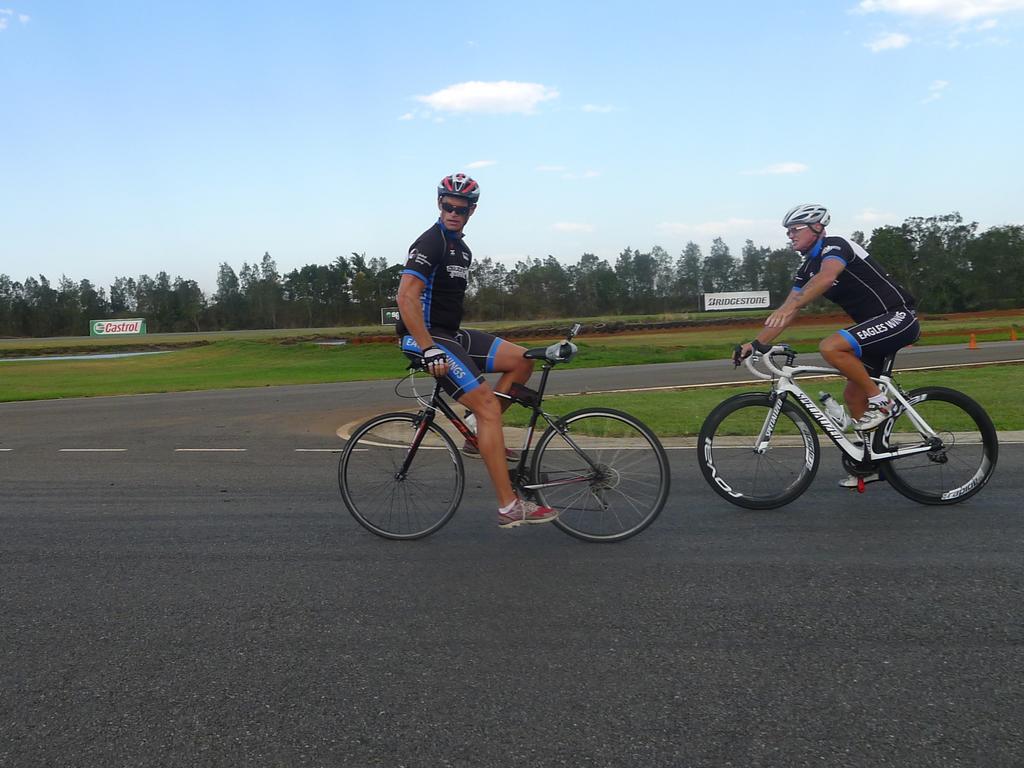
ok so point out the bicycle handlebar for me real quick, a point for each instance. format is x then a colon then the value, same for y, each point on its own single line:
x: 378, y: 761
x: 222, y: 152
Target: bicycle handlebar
x: 764, y: 357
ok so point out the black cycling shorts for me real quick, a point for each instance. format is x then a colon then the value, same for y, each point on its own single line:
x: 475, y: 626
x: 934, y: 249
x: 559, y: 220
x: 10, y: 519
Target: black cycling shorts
x: 470, y: 355
x: 875, y: 339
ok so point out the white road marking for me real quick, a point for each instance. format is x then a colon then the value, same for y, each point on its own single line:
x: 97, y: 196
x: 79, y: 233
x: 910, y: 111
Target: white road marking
x: 210, y: 450
x: 319, y: 450
x: 91, y: 450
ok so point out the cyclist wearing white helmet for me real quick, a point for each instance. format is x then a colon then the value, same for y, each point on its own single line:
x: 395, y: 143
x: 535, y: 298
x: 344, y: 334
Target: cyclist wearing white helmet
x: 881, y: 309
x: 431, y: 295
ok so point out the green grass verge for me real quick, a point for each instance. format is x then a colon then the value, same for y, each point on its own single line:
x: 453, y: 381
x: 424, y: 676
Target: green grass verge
x: 221, y: 365
x: 263, y: 358
x: 681, y: 412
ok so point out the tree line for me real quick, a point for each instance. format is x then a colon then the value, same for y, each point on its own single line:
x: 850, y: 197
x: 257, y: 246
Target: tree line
x: 945, y: 262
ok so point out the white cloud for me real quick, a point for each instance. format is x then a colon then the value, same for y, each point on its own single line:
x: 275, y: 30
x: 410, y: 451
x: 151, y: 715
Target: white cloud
x: 407, y: 116
x: 571, y: 226
x: 502, y: 97
x: 872, y: 217
x: 710, y: 228
x: 935, y: 91
x: 957, y: 10
x: 481, y: 164
x: 584, y: 175
x: 602, y: 108
x: 888, y: 42
x: 777, y: 169
x: 987, y: 24
x: 550, y: 168
x: 6, y: 14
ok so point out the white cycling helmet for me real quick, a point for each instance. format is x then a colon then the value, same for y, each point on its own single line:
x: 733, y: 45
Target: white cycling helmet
x: 807, y: 213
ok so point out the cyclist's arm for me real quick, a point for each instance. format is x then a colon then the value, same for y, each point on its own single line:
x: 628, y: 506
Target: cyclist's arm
x: 410, y: 288
x: 798, y: 299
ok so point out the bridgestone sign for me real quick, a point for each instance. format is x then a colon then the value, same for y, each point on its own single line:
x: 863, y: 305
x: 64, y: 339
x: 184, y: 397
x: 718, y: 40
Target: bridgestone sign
x: 736, y: 300
x: 117, y: 327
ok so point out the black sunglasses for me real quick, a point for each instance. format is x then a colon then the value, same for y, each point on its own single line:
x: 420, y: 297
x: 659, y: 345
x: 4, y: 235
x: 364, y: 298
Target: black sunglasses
x: 462, y: 210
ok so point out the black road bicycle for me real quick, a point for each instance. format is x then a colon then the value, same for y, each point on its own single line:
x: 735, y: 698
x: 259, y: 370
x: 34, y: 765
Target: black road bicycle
x: 760, y: 450
x: 402, y: 477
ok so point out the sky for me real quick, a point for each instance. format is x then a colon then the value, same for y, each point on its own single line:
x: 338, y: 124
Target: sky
x: 139, y: 137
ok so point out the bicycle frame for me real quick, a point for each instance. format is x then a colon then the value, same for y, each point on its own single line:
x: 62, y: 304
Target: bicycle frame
x: 784, y: 384
x: 437, y: 402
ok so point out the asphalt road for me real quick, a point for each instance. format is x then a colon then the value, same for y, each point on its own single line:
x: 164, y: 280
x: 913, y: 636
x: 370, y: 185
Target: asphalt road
x: 185, y: 607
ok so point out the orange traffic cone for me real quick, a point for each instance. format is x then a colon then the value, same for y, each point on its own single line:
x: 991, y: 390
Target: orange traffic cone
x: 974, y: 343
x: 1013, y: 333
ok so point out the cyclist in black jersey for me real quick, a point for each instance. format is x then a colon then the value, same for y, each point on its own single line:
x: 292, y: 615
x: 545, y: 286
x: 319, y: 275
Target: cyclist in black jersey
x: 882, y: 310
x: 431, y: 297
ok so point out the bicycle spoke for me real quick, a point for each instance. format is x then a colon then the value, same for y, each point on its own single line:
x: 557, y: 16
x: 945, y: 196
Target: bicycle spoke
x: 750, y: 478
x: 617, y: 490
x: 411, y: 506
x: 963, y: 463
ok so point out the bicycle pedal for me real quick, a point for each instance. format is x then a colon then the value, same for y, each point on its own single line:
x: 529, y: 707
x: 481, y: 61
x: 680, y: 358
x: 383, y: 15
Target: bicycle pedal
x: 861, y: 485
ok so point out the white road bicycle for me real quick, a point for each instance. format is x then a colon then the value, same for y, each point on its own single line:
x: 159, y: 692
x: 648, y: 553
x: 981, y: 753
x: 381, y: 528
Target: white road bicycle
x: 760, y: 450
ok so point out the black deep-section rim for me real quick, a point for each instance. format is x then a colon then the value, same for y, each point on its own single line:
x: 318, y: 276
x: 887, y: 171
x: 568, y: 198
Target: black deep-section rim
x: 752, y: 467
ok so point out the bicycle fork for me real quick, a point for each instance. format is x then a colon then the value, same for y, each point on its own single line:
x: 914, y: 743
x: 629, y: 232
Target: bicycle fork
x: 423, y: 421
x: 768, y: 428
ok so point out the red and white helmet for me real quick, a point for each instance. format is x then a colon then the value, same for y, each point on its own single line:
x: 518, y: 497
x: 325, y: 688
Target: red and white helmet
x: 807, y: 213
x: 459, y: 185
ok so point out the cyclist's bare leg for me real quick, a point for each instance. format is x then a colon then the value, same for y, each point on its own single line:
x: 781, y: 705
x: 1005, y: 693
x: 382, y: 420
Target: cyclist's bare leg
x: 490, y: 439
x: 515, y: 369
x: 859, y: 387
x: 856, y: 400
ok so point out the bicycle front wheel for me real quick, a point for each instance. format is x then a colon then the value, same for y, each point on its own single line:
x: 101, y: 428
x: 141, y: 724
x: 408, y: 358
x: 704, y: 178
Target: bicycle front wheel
x: 749, y: 470
x: 392, y: 493
x: 604, y: 471
x: 964, y: 454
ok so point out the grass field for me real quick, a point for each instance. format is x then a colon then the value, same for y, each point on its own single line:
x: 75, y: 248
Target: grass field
x: 681, y: 412
x: 264, y: 358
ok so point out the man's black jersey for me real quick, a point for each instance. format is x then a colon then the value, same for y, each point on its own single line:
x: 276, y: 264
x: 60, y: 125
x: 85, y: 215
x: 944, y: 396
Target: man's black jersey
x: 863, y: 289
x: 441, y: 260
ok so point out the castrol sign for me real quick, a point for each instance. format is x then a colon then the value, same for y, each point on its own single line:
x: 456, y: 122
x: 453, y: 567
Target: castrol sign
x: 135, y: 327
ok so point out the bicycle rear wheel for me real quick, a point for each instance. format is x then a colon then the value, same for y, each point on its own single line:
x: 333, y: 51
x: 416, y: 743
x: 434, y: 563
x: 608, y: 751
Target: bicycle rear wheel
x: 609, y: 474
x: 752, y: 476
x: 392, y: 503
x: 964, y: 456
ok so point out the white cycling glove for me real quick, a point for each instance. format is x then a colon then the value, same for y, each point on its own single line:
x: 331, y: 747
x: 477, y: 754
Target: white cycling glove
x: 433, y: 360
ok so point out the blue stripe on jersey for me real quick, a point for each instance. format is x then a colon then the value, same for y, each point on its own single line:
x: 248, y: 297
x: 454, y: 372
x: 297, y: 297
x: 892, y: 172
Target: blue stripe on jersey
x: 835, y: 256
x: 853, y: 342
x: 414, y: 273
x: 427, y: 297
x: 813, y: 253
